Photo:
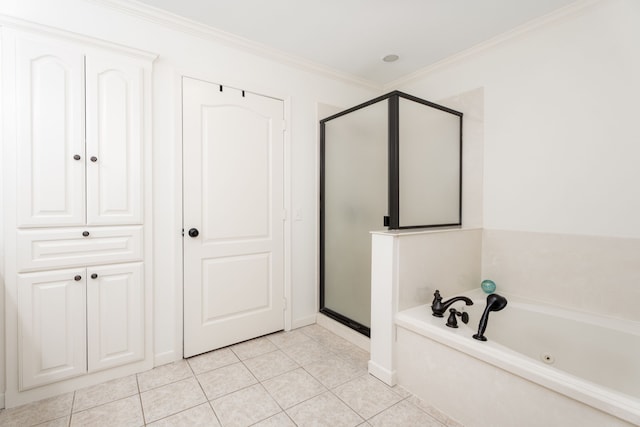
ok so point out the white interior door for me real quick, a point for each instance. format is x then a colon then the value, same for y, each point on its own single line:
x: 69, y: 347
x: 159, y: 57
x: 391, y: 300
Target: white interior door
x: 233, y: 197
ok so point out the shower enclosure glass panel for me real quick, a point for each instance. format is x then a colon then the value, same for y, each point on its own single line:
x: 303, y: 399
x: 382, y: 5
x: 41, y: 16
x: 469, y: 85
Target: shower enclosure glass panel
x: 395, y: 161
x: 355, y: 148
x: 429, y: 165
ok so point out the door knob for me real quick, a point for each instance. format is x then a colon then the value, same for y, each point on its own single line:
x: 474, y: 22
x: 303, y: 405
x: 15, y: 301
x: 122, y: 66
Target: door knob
x: 94, y: 276
x: 93, y: 159
x: 77, y: 278
x: 77, y: 157
x: 85, y: 233
x: 194, y: 232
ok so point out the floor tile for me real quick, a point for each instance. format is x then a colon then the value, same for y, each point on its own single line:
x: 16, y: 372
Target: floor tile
x: 225, y: 380
x: 278, y: 420
x: 125, y: 412
x: 336, y: 344
x: 355, y: 355
x: 287, y: 339
x: 367, y: 396
x: 104, y: 393
x: 212, y: 360
x: 253, y: 348
x: 316, y: 332
x: 163, y: 375
x: 293, y: 387
x: 317, y: 377
x: 270, y: 365
x: 38, y: 412
x: 201, y: 415
x: 171, y: 399
x: 324, y: 410
x: 245, y: 407
x: 403, y: 414
x: 333, y: 371
x: 60, y: 422
x: 306, y: 352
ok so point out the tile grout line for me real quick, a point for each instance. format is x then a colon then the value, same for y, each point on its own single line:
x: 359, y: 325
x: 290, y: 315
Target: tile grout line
x: 144, y: 418
x: 206, y: 398
x: 73, y: 402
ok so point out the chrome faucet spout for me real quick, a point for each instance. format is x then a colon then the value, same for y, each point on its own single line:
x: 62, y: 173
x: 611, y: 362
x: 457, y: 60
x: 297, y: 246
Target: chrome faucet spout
x: 438, y: 307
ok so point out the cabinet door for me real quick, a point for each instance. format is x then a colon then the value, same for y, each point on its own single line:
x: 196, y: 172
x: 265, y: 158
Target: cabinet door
x: 51, y: 326
x: 50, y: 133
x: 115, y: 315
x: 114, y: 139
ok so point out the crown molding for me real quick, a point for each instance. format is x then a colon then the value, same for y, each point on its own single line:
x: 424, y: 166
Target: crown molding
x: 8, y: 21
x: 188, y: 26
x: 561, y: 14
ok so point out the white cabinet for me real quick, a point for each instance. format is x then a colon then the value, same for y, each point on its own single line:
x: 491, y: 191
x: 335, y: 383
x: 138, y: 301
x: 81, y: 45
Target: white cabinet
x: 57, y: 341
x: 80, y: 127
x: 47, y: 248
x: 76, y: 161
x: 49, y: 86
x: 115, y: 315
x: 52, y: 326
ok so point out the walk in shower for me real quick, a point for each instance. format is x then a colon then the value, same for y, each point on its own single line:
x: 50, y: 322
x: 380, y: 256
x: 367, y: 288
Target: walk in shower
x: 394, y: 162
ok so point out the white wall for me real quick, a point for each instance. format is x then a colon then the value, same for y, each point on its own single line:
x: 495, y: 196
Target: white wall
x: 561, y: 202
x: 561, y: 111
x: 221, y: 62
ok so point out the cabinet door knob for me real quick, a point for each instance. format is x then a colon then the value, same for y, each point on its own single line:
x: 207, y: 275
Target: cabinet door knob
x: 94, y: 276
x: 77, y: 157
x: 93, y: 159
x: 77, y: 278
x: 194, y: 232
x: 85, y: 233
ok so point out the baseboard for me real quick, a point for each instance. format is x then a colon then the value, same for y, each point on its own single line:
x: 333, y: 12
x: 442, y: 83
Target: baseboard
x: 384, y: 375
x: 166, y: 357
x: 304, y: 321
x: 344, y: 332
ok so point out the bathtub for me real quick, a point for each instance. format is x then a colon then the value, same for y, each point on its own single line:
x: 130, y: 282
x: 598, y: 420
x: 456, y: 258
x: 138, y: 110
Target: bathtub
x: 541, y: 365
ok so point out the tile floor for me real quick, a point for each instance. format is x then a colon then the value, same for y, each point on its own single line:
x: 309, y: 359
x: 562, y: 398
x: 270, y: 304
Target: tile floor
x: 306, y: 377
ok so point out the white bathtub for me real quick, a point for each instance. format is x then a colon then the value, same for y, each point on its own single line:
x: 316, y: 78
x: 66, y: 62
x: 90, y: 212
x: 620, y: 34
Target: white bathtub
x: 591, y: 365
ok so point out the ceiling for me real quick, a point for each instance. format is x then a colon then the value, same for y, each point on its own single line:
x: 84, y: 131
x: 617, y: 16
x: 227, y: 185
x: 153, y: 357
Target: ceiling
x: 352, y: 36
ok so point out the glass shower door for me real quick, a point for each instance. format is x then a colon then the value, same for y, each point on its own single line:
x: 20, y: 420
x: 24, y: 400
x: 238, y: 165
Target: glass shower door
x: 396, y: 162
x: 355, y: 202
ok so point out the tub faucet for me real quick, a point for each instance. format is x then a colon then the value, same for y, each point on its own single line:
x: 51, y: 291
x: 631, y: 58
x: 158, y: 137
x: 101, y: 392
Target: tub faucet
x: 438, y: 307
x: 495, y: 302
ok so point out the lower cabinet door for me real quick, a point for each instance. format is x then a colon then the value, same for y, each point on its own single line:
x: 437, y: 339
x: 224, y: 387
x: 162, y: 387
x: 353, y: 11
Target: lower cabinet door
x: 51, y: 326
x: 115, y: 315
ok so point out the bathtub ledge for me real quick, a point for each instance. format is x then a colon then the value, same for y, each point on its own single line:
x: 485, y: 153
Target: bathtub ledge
x: 420, y: 321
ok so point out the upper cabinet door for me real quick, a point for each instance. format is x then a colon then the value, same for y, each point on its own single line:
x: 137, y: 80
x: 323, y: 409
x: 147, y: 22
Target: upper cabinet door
x: 50, y: 133
x: 114, y: 121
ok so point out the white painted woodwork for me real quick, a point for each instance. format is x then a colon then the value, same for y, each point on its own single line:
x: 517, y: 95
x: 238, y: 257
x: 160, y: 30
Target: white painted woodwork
x: 115, y: 315
x: 39, y: 249
x: 50, y: 132
x: 51, y: 326
x: 66, y: 96
x: 384, y: 291
x: 114, y: 116
x: 233, y: 194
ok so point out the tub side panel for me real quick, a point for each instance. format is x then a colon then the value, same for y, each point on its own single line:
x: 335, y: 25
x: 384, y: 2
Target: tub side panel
x: 480, y: 394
